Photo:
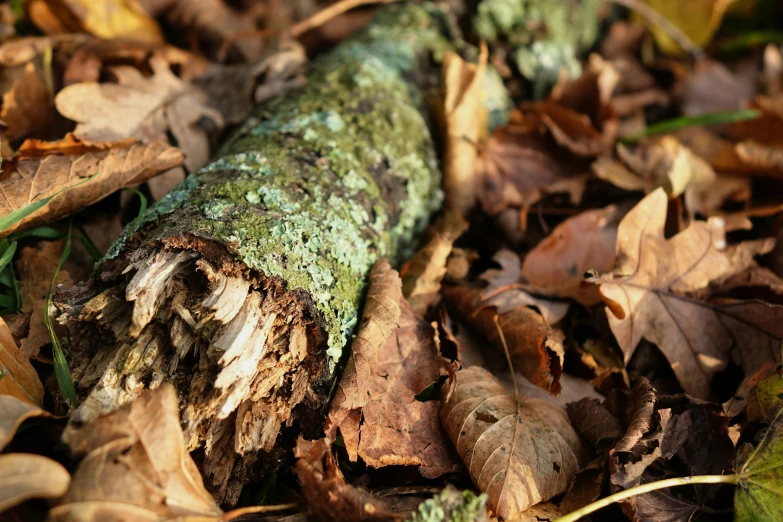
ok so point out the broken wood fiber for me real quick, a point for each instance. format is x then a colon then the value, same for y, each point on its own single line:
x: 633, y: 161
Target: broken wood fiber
x: 243, y: 285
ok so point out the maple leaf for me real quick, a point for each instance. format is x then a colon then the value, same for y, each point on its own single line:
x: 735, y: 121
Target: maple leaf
x: 393, y: 358
x: 519, y: 453
x: 650, y: 297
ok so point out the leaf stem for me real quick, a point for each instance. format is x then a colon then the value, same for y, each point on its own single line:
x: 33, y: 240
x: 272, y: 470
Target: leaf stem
x: 646, y: 488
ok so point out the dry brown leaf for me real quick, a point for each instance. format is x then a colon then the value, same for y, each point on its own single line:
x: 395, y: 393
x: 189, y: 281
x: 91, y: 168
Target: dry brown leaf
x: 24, y: 476
x: 556, y: 266
x: 501, y: 312
x: 519, y: 164
x: 649, y: 298
x: 31, y: 179
x: 141, y: 107
x: 663, y: 162
x: 27, y: 106
x: 138, y: 456
x: 323, y: 485
x: 36, y: 266
x: 423, y: 273
x: 518, y: 453
x: 123, y: 19
x: 393, y: 358
x: 21, y: 379
x: 465, y: 122
x: 13, y: 412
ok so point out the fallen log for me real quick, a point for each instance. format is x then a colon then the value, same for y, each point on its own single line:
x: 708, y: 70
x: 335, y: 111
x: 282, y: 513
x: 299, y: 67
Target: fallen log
x: 243, y: 285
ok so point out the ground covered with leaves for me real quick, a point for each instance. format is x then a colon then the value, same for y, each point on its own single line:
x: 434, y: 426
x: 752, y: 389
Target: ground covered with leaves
x: 591, y: 326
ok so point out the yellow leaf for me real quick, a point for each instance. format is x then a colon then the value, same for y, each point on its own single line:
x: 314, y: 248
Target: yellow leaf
x: 104, y: 18
x: 699, y: 19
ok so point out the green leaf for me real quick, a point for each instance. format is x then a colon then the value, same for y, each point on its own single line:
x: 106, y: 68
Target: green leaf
x: 61, y: 371
x: 759, y: 493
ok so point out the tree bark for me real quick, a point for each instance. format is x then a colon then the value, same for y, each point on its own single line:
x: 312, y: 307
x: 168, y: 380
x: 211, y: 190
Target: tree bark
x: 243, y: 285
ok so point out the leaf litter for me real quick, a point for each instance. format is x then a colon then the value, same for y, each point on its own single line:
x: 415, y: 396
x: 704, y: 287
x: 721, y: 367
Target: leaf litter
x: 594, y: 317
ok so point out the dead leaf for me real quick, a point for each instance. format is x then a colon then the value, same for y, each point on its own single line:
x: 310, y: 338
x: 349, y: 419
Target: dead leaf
x: 465, y: 122
x: 556, y: 266
x: 519, y: 164
x: 141, y: 107
x: 662, y: 162
x: 393, y: 359
x: 666, y: 435
x: 518, y: 453
x: 138, y: 455
x: 21, y: 379
x: 649, y: 298
x: 108, y: 19
x: 24, y: 476
x: 422, y: 274
x: 502, y: 313
x: 36, y: 266
x: 713, y: 87
x: 29, y: 179
x: 13, y: 412
x: 330, y: 498
x: 594, y: 422
x: 27, y: 106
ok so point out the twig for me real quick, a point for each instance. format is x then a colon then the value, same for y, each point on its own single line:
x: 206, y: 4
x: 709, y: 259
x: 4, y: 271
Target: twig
x: 236, y: 513
x: 332, y: 11
x: 656, y: 18
x: 646, y: 488
x: 508, y: 358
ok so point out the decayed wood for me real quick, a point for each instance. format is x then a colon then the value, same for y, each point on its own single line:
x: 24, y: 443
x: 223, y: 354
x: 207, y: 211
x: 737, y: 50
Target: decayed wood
x: 243, y: 285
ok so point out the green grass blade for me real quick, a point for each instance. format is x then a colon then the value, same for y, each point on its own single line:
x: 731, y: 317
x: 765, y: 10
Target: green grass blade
x: 714, y: 118
x: 8, y: 254
x: 89, y: 245
x: 43, y: 232
x: 7, y: 301
x: 142, y: 201
x: 15, y: 288
x: 19, y: 214
x: 61, y: 371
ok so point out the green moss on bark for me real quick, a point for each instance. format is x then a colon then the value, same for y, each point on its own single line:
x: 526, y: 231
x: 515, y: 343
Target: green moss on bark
x: 315, y: 187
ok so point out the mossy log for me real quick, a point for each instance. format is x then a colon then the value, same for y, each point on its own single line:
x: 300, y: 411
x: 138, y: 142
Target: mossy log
x: 243, y: 285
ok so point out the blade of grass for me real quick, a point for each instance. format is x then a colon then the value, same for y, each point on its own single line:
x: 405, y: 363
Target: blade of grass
x: 43, y: 232
x: 7, y: 301
x: 8, y: 253
x: 142, y: 201
x: 715, y: 118
x: 61, y: 371
x: 89, y: 245
x: 19, y: 214
x: 15, y: 288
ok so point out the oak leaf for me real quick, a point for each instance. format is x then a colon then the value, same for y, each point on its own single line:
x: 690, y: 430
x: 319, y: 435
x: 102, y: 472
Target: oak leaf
x: 519, y: 453
x: 326, y: 491
x: 393, y: 359
x: 649, y: 298
x: 145, y: 108
x: 20, y: 379
x: 37, y: 173
x: 556, y: 266
x: 138, y: 455
x: 24, y: 476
